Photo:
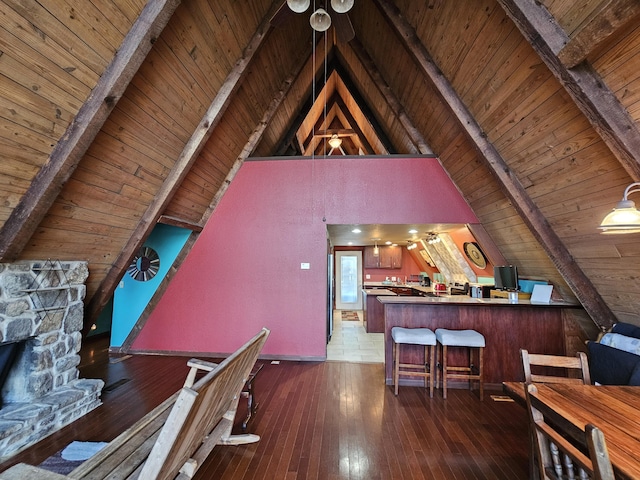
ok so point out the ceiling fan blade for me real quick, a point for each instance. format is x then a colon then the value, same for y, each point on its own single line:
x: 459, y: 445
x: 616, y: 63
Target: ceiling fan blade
x: 343, y: 26
x: 281, y: 15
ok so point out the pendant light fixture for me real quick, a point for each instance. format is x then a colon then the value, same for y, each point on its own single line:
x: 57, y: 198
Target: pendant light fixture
x: 298, y: 6
x: 376, y: 250
x: 625, y: 217
x: 335, y: 141
x: 320, y: 20
x: 341, y: 6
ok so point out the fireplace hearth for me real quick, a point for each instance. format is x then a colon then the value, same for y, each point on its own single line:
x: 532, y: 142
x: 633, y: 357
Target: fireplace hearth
x: 41, y: 318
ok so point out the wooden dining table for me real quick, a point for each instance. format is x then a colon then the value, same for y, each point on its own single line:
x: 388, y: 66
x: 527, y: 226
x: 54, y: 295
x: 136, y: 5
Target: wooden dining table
x: 613, y: 409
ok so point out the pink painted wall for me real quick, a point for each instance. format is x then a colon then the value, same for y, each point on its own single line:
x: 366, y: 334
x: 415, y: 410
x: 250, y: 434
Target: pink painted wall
x: 244, y: 272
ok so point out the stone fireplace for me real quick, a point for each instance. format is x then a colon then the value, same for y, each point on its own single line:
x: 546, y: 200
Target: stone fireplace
x: 41, y: 318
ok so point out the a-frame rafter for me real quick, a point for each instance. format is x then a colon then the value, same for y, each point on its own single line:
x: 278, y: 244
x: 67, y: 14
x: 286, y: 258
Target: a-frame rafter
x: 66, y: 155
x: 246, y: 152
x: 511, y: 186
x: 588, y: 90
x: 180, y: 169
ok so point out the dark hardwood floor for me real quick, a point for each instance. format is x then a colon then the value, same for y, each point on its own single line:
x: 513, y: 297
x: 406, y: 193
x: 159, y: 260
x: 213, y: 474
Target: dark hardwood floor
x: 317, y: 420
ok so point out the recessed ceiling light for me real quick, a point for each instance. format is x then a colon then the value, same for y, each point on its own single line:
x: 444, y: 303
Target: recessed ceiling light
x: 349, y: 243
x: 394, y: 244
x: 387, y: 242
x: 356, y: 230
x: 413, y: 231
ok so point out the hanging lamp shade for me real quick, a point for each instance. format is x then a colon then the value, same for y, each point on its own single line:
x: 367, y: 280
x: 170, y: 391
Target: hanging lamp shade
x: 298, y: 6
x: 341, y: 6
x: 335, y: 141
x: 320, y: 20
x: 625, y: 217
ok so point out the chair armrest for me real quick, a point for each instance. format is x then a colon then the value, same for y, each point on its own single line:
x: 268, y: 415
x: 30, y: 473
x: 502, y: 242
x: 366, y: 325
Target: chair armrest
x: 196, y: 364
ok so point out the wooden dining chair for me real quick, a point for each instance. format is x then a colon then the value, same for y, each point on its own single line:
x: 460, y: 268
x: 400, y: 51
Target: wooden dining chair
x: 565, y: 369
x: 560, y: 459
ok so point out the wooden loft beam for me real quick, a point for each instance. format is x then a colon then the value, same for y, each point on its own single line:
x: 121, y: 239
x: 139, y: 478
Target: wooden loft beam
x: 392, y: 100
x: 185, y: 161
x: 178, y: 222
x: 364, y: 108
x: 304, y: 107
x: 511, y: 186
x: 67, y: 153
x: 585, y: 86
x: 310, y: 144
x: 247, y: 150
x: 361, y: 140
x: 610, y: 18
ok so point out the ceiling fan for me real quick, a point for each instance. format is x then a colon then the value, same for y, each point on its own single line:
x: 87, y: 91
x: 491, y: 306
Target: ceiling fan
x: 320, y: 19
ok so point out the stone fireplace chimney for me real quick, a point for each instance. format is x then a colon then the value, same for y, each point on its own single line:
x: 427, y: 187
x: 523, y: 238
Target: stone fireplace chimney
x: 41, y: 316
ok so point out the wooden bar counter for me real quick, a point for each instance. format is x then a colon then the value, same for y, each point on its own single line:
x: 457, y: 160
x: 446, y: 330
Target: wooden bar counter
x: 507, y: 327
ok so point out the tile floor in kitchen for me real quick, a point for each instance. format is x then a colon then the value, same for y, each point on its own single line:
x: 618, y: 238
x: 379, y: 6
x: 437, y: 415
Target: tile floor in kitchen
x: 351, y: 343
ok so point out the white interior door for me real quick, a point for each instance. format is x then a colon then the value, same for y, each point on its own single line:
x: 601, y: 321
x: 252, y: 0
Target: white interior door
x: 349, y: 280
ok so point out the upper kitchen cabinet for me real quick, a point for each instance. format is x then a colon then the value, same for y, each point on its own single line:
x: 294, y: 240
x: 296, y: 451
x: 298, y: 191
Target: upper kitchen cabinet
x: 388, y: 257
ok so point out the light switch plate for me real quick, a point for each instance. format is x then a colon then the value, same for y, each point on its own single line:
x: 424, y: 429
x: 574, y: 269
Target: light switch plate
x: 305, y: 266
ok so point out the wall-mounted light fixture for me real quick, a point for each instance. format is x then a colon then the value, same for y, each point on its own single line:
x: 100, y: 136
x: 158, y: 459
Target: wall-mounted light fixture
x: 625, y: 217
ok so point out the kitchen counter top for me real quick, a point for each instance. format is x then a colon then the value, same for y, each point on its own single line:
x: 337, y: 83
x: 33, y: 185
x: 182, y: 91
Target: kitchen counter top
x: 471, y: 301
x: 378, y: 291
x: 506, y: 326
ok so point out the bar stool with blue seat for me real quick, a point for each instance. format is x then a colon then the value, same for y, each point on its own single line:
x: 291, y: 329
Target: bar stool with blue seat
x: 460, y: 338
x: 414, y: 336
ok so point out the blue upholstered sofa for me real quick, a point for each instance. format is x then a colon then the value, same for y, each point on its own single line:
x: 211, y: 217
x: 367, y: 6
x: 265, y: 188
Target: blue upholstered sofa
x: 611, y: 361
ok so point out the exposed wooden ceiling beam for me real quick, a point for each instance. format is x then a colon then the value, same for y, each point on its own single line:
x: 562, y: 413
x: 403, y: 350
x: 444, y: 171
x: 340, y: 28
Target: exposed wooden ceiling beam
x: 361, y: 138
x: 511, y: 186
x: 610, y: 18
x: 246, y: 152
x: 391, y: 98
x: 179, y: 171
x: 381, y: 134
x: 67, y: 153
x: 590, y: 93
x: 312, y: 142
x: 290, y: 137
x: 179, y: 222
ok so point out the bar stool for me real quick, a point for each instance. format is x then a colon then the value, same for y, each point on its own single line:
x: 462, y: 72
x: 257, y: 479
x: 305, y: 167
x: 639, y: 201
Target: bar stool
x: 460, y: 338
x: 414, y: 336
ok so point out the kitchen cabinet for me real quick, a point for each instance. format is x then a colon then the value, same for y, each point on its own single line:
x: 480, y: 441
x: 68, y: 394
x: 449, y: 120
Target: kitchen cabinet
x: 389, y: 257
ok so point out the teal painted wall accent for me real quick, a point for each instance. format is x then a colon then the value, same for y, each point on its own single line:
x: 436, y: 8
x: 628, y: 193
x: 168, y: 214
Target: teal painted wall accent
x: 131, y: 296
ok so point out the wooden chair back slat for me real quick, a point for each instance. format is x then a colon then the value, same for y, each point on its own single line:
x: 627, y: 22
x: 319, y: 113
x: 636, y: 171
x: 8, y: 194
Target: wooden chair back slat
x: 558, y: 369
x: 559, y: 458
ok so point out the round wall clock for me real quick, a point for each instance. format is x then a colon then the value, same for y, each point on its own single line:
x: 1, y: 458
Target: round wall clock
x: 145, y: 264
x: 473, y: 252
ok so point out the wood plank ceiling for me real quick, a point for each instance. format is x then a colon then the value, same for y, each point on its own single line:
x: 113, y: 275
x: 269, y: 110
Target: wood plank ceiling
x: 117, y: 114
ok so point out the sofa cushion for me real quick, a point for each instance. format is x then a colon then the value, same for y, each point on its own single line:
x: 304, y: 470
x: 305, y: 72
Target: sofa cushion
x: 626, y: 329
x: 610, y: 366
x: 635, y: 376
x: 621, y: 342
